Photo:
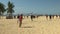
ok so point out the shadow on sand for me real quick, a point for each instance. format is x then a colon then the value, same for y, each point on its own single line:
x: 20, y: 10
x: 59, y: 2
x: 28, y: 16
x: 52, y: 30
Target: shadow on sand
x: 27, y: 27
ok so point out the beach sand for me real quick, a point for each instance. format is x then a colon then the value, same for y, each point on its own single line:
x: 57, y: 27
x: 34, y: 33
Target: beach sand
x: 39, y: 25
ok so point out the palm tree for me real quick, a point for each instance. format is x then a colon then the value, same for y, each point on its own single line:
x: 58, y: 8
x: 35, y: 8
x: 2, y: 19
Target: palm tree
x: 2, y: 9
x: 10, y: 10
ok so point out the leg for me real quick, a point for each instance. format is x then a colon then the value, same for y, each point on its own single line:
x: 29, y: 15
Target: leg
x: 20, y: 23
x: 31, y: 19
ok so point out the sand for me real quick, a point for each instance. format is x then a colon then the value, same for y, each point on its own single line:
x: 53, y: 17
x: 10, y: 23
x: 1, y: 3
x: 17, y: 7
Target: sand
x: 38, y: 26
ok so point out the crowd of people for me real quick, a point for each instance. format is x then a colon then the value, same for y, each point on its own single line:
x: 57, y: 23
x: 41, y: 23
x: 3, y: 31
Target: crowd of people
x: 20, y: 17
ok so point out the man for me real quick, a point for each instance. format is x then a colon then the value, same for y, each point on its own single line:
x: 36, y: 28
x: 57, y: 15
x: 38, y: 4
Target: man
x: 20, y: 19
x: 50, y: 16
x: 31, y: 17
x: 46, y: 16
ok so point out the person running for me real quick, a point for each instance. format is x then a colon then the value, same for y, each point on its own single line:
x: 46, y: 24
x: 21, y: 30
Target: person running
x: 20, y: 19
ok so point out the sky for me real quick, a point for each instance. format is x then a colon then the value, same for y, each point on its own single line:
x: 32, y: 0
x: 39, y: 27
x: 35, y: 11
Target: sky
x: 35, y: 6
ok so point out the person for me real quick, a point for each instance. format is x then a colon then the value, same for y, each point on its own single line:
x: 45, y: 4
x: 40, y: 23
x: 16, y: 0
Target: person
x: 46, y: 16
x: 50, y: 16
x: 20, y: 19
x: 18, y: 16
x: 14, y: 16
x: 53, y: 16
x: 31, y: 17
x: 27, y: 16
x: 57, y: 16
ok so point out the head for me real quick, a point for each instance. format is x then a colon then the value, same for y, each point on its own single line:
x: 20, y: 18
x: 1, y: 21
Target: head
x: 21, y: 14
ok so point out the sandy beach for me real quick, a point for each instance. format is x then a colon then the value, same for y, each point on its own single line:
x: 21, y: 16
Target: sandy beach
x: 39, y: 25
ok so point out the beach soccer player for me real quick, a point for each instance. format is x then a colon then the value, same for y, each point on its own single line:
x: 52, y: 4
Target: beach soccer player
x: 20, y: 19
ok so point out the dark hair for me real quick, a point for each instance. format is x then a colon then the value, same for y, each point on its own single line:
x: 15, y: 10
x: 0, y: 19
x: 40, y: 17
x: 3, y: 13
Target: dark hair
x: 21, y: 14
